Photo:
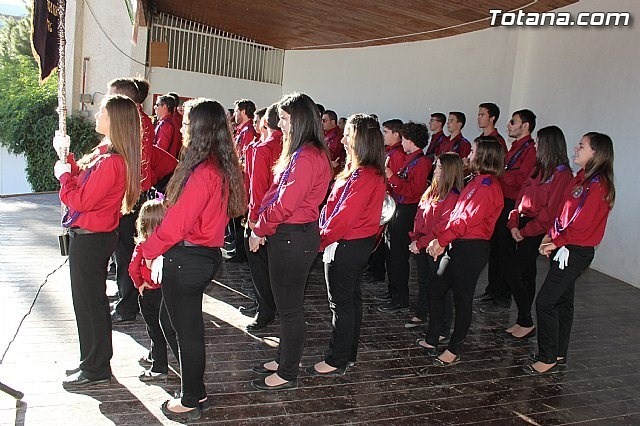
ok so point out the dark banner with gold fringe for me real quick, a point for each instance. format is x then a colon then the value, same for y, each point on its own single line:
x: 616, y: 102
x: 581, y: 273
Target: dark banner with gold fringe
x: 44, y: 37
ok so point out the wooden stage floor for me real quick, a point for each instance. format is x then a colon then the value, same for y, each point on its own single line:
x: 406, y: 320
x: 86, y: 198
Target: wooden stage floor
x: 392, y: 382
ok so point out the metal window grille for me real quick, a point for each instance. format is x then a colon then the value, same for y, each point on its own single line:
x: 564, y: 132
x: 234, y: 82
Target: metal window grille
x: 200, y: 48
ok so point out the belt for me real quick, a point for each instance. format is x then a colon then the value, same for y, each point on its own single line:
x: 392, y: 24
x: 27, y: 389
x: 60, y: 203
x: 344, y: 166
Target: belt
x: 80, y: 231
x: 185, y: 243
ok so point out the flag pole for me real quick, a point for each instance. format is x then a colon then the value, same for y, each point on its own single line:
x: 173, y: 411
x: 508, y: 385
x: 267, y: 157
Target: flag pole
x: 63, y: 239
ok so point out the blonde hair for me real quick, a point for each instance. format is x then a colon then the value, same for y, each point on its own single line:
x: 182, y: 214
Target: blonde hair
x: 151, y: 215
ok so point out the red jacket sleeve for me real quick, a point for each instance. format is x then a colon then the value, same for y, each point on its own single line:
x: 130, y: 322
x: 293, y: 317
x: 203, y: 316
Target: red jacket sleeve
x: 416, y: 182
x: 164, y: 136
x: 513, y: 179
x: 465, y: 149
x: 181, y: 217
x: 359, y: 200
x: 544, y: 220
x: 589, y: 224
x: 135, y: 268
x: 108, y: 173
x: 260, y: 181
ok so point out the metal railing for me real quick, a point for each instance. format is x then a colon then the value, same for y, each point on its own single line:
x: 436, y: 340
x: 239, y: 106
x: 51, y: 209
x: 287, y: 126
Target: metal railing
x: 200, y: 48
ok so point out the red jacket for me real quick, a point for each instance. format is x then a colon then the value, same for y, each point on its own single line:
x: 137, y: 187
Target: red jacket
x: 95, y: 194
x: 540, y: 201
x: 518, y: 165
x: 249, y: 154
x: 358, y: 215
x: 432, y: 218
x: 410, y: 182
x: 333, y: 139
x: 244, y: 135
x: 176, y: 120
x: 139, y: 272
x: 437, y: 141
x: 265, y: 156
x: 199, y: 216
x: 163, y: 164
x: 476, y: 212
x: 497, y: 135
x: 164, y: 136
x: 587, y: 228
x: 459, y: 144
x: 148, y: 134
x: 298, y: 201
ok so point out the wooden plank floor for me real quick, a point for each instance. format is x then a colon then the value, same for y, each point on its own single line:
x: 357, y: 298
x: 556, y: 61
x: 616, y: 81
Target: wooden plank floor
x: 392, y: 382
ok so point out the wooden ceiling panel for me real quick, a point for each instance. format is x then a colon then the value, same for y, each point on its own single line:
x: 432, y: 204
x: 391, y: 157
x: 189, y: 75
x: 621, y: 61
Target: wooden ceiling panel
x: 304, y: 24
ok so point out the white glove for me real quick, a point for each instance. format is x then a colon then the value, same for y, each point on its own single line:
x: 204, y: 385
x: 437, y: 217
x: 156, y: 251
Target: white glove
x: 330, y: 252
x: 562, y: 257
x: 61, y: 142
x: 156, y: 269
x: 61, y: 168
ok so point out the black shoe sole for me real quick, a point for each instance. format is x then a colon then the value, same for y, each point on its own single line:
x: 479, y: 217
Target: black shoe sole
x: 261, y: 385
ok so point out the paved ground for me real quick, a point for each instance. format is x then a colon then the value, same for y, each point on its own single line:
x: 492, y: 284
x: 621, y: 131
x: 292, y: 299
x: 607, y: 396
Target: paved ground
x: 388, y: 385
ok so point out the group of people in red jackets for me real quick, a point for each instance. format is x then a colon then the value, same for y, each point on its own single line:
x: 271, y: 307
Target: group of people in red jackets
x: 280, y: 180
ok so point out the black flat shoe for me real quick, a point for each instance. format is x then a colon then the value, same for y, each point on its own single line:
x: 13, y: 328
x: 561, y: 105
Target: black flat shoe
x: 193, y: 414
x: 533, y: 372
x: 437, y: 362
x: 392, y: 308
x: 72, y: 371
x: 428, y: 351
x: 527, y: 336
x: 260, y: 323
x: 533, y: 357
x: 311, y: 370
x: 80, y: 381
x: 261, y: 385
x: 261, y: 369
x: 152, y: 376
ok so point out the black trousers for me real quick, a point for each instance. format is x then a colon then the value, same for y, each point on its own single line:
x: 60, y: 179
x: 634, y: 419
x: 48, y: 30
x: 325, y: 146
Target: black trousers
x: 186, y: 274
x: 520, y: 275
x: 398, y: 254
x: 467, y: 259
x: 159, y: 329
x: 377, y: 267
x: 127, y: 306
x: 501, y: 241
x: 554, y: 306
x: 259, y: 267
x: 345, y: 299
x: 234, y: 238
x: 88, y: 259
x: 427, y: 269
x: 291, y: 251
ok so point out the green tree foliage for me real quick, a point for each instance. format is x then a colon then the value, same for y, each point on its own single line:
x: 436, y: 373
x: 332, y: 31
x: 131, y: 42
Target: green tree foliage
x: 28, y: 110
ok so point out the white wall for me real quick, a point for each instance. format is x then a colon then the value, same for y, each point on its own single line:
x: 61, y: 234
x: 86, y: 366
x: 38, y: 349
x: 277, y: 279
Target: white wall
x: 13, y: 178
x: 585, y: 79
x: 106, y: 61
x: 410, y: 80
x: 580, y: 79
x: 225, y: 90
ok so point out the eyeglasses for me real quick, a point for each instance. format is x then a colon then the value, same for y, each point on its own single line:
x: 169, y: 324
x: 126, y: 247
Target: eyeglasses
x: 324, y: 120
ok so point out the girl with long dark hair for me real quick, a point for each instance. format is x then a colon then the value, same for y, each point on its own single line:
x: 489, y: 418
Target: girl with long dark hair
x: 348, y: 226
x: 570, y: 246
x: 98, y: 190
x: 288, y: 222
x: 536, y: 207
x: 184, y: 250
x: 468, y: 230
x: 434, y: 210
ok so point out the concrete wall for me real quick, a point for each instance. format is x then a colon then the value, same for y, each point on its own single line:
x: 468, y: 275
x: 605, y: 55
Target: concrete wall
x: 411, y: 80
